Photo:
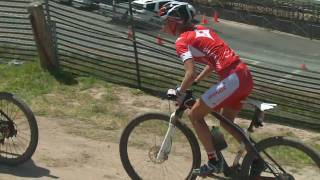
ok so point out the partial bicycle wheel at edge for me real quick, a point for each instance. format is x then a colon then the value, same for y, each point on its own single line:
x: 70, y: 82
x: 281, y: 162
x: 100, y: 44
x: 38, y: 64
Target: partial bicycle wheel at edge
x: 296, y: 159
x: 18, y: 130
x: 138, y: 149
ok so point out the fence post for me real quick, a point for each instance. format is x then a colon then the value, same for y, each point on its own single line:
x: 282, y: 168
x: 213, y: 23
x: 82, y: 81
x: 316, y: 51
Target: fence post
x: 311, y: 31
x: 42, y: 36
x: 134, y: 44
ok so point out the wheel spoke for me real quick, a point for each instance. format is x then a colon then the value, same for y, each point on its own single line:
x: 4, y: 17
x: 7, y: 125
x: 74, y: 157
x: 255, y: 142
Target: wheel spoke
x: 18, y: 147
x: 19, y: 142
x: 286, y: 159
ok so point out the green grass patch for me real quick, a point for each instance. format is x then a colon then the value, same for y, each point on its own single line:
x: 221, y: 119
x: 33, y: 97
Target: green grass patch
x: 27, y: 80
x: 290, y: 157
x: 52, y: 94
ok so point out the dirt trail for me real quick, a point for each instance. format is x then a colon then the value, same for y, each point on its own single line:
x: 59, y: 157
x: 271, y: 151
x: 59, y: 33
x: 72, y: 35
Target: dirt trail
x: 64, y: 155
x: 61, y: 155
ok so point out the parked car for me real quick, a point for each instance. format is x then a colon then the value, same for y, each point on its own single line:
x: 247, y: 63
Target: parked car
x: 117, y: 9
x: 146, y: 10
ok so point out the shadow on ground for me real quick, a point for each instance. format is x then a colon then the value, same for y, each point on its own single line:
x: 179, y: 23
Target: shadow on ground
x: 64, y: 77
x: 218, y: 177
x: 28, y: 170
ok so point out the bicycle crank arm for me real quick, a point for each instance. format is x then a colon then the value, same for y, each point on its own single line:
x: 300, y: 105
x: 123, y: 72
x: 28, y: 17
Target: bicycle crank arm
x: 262, y: 178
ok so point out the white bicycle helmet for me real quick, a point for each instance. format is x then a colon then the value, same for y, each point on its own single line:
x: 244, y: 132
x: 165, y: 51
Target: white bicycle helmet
x: 181, y: 11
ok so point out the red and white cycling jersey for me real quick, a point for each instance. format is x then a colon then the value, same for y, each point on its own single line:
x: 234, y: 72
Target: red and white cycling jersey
x: 205, y: 46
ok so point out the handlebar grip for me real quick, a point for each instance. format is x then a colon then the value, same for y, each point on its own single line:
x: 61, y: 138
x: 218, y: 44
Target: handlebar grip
x: 171, y: 94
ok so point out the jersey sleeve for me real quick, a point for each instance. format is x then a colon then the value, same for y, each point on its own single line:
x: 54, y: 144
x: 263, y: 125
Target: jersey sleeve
x: 182, y: 49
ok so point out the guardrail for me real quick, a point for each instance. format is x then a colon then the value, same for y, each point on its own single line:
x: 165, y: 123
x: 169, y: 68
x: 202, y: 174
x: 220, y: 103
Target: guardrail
x: 96, y: 43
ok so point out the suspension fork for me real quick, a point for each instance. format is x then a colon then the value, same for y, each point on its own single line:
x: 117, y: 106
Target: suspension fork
x: 165, y: 147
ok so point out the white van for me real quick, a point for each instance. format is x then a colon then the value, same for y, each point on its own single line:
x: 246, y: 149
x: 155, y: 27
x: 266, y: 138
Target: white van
x: 146, y: 10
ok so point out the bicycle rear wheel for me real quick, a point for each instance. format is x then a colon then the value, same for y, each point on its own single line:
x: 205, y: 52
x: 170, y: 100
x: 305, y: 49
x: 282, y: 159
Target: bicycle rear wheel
x: 140, y: 143
x: 18, y: 130
x: 289, y: 159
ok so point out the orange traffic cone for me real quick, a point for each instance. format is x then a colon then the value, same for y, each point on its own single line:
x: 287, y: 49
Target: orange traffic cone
x: 159, y: 40
x: 216, y: 16
x: 130, y: 33
x: 204, y: 20
x: 303, y: 67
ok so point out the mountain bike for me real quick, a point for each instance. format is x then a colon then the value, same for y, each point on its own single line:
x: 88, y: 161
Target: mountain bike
x: 18, y: 130
x: 159, y: 146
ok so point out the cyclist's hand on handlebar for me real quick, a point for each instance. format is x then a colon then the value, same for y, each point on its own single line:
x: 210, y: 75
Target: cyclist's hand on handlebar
x: 180, y: 97
x: 175, y: 94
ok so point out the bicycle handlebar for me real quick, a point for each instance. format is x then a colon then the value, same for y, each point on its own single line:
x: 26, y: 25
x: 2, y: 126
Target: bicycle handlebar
x: 188, y: 101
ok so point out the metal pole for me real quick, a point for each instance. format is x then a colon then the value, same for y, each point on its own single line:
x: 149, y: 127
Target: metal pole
x: 46, y: 3
x: 134, y: 44
x: 113, y: 6
x: 311, y: 31
x: 55, y: 43
x: 52, y: 29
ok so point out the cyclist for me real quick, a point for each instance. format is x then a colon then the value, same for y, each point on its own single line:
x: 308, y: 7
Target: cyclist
x: 200, y: 44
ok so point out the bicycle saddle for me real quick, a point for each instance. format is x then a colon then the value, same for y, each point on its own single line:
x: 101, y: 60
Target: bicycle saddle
x: 262, y: 106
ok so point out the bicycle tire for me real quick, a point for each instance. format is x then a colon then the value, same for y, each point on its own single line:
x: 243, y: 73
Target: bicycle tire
x: 33, y: 131
x: 274, y: 142
x: 163, y: 117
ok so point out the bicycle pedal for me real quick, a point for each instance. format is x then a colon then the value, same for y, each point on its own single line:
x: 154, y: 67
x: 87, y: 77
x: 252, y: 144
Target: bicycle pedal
x: 203, y: 177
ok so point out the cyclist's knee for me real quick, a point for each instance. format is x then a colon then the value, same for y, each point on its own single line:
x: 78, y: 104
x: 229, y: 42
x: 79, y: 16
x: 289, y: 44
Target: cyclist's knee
x: 198, y: 112
x: 195, y: 116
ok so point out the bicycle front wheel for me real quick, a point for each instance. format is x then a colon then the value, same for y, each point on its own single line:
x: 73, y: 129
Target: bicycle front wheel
x: 287, y: 158
x: 18, y: 130
x: 140, y: 143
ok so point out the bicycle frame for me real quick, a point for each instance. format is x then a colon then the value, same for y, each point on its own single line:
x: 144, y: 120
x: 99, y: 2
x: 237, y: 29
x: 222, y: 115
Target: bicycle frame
x: 237, y: 130
x: 176, y: 116
x: 259, y: 162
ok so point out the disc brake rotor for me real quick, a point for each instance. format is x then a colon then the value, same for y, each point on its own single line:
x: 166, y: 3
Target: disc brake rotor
x: 153, y: 153
x: 7, y: 128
